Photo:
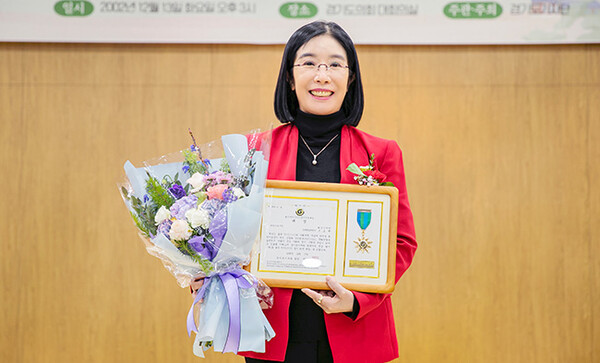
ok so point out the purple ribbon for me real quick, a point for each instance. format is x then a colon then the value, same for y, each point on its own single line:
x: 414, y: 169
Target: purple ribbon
x: 191, y: 323
x: 233, y: 281
x: 233, y: 301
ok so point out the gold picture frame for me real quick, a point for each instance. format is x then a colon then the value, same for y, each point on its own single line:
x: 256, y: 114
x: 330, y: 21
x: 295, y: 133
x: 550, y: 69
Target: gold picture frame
x: 312, y: 230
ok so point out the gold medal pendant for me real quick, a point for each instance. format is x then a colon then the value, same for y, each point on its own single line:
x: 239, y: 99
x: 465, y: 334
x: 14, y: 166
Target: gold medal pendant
x: 363, y: 244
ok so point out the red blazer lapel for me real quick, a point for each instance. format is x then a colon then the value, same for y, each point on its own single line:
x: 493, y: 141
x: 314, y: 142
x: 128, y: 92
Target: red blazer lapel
x: 284, y: 147
x: 353, y: 149
x: 346, y: 156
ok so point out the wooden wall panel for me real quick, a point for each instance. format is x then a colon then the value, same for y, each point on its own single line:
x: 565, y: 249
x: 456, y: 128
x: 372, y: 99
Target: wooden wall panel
x: 500, y: 148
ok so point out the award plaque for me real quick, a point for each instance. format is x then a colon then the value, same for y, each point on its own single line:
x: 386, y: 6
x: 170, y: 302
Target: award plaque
x: 312, y: 230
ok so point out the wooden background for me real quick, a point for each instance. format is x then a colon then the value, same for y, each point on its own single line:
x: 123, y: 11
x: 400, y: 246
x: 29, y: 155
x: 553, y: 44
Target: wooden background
x: 501, y: 148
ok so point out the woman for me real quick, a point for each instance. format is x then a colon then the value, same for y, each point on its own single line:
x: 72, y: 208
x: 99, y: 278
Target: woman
x: 319, y: 99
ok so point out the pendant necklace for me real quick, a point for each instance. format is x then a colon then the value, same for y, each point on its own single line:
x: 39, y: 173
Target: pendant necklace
x: 314, y: 162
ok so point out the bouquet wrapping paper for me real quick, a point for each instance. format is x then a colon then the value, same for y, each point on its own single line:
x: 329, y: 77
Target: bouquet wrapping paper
x: 201, y: 218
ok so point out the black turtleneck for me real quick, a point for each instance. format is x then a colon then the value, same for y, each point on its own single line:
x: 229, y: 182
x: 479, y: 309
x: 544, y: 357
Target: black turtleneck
x: 308, y: 340
x: 317, y: 131
x: 307, y: 325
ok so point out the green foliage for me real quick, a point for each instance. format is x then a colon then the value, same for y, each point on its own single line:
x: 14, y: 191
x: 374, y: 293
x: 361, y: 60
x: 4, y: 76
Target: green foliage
x: 195, y: 165
x: 168, y: 182
x: 158, y: 193
x: 185, y: 248
x: 243, y: 182
x: 372, y: 160
x: 354, y: 169
x: 143, y: 216
x: 141, y: 226
x: 201, y: 197
x: 247, y: 176
x: 225, y: 166
x: 125, y: 193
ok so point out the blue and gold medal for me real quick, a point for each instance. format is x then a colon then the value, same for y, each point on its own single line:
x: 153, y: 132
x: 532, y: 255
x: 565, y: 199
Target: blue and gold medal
x: 363, y: 217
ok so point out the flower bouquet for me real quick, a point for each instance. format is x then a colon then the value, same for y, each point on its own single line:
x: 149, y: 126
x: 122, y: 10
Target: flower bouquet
x: 201, y: 217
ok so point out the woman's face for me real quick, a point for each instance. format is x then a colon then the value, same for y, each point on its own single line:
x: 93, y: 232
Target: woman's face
x: 321, y: 91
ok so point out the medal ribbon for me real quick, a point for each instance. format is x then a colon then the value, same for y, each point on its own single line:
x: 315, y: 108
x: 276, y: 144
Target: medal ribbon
x: 363, y: 217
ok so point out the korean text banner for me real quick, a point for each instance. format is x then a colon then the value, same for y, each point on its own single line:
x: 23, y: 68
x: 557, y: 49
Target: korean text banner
x: 272, y: 22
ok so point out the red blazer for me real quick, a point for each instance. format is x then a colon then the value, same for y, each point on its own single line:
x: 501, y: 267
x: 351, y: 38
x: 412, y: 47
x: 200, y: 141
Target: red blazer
x: 372, y: 336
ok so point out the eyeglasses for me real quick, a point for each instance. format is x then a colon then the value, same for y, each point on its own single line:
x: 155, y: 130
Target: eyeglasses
x: 334, y: 67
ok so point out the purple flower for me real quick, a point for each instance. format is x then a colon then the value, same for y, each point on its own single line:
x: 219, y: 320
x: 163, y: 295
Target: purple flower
x: 218, y: 177
x: 177, y: 191
x: 229, y: 196
x: 146, y: 198
x: 193, y: 147
x: 185, y: 168
x: 210, y: 180
x: 223, y: 178
x: 164, y: 227
x: 182, y: 205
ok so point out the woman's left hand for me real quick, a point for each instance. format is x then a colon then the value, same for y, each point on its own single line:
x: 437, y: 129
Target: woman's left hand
x: 195, y: 284
x: 339, y: 300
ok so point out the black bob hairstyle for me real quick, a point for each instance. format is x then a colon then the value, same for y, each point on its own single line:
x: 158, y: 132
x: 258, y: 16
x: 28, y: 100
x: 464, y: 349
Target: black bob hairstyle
x: 286, y: 102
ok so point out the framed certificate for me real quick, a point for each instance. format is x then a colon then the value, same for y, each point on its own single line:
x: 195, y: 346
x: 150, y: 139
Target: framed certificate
x: 312, y: 230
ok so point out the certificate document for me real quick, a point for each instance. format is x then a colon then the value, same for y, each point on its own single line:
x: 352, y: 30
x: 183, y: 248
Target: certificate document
x: 300, y: 235
x: 311, y: 230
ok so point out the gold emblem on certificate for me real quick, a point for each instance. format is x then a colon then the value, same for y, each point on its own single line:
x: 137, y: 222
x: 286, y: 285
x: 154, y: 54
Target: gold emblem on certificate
x: 363, y: 217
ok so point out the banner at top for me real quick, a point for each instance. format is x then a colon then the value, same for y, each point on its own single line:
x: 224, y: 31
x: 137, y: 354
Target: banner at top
x: 272, y: 22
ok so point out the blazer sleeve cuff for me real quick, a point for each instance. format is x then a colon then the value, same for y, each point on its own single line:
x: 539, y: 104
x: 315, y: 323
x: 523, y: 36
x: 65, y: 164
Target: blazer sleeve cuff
x: 355, y: 310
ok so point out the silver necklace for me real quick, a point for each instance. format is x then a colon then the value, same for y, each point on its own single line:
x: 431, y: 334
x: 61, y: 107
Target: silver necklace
x: 314, y: 162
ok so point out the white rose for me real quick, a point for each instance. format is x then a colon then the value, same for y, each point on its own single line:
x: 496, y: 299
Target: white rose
x: 198, y: 218
x: 180, y: 230
x: 162, y: 214
x: 238, y: 193
x: 196, y: 181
